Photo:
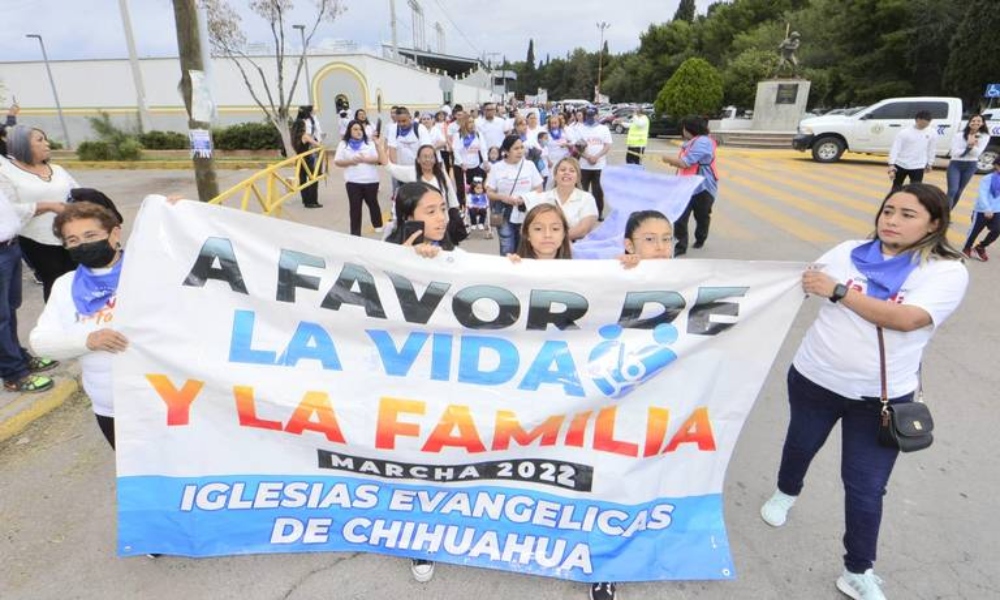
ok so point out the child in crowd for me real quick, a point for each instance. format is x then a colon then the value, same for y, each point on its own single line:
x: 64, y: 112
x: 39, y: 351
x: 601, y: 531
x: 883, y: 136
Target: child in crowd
x: 648, y: 235
x: 478, y: 205
x: 543, y: 235
x: 493, y: 156
x: 544, y: 168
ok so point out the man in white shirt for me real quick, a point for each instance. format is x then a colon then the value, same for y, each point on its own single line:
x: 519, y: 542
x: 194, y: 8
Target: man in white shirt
x: 404, y: 142
x: 491, y: 127
x: 912, y: 152
x: 594, y: 157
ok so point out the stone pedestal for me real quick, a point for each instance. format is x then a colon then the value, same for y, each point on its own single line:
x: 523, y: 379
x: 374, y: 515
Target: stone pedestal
x: 780, y: 104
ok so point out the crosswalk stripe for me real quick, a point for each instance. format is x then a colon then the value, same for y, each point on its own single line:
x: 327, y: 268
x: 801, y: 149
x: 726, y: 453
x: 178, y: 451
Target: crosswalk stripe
x: 956, y: 233
x: 751, y: 180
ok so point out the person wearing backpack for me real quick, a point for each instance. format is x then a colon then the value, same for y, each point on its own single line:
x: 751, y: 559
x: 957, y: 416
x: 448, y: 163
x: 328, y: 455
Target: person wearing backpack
x: 697, y: 157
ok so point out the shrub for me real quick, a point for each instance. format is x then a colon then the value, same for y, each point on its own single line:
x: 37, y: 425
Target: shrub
x: 247, y: 136
x: 164, y: 140
x: 129, y: 149
x: 113, y: 144
x: 93, y: 151
x: 695, y: 88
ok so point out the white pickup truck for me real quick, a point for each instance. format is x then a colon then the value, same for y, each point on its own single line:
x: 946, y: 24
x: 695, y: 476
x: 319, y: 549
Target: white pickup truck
x: 872, y: 129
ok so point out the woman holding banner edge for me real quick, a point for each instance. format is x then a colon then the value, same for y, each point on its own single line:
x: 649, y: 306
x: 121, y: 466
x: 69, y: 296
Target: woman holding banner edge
x: 906, y: 281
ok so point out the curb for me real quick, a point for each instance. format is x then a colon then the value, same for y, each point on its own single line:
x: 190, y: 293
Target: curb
x: 28, y: 408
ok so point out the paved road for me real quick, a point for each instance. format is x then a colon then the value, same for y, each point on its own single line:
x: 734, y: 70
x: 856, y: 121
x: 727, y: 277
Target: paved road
x: 939, y: 537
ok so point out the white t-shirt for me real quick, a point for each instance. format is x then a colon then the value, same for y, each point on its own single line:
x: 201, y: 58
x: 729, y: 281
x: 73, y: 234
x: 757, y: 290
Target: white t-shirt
x: 469, y: 157
x: 363, y: 173
x: 596, y: 137
x: 558, y: 149
x: 503, y: 178
x: 61, y: 333
x: 28, y: 188
x: 580, y: 205
x: 407, y: 145
x: 840, y: 350
x: 492, y: 132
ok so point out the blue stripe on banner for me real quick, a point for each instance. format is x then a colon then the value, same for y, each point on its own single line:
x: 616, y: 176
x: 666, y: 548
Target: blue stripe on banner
x: 499, y: 528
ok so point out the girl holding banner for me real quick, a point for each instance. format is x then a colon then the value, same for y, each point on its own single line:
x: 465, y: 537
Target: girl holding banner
x: 79, y: 316
x: 906, y: 281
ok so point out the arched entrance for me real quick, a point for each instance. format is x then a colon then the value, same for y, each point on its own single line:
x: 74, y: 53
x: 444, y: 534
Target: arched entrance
x: 337, y: 85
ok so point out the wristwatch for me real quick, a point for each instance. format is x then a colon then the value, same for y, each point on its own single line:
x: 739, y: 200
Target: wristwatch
x: 839, y: 291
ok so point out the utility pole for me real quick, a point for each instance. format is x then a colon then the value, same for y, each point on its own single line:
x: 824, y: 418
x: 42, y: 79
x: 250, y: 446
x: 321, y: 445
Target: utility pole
x: 600, y: 59
x: 140, y: 92
x: 55, y: 94
x: 392, y: 25
x: 305, y: 59
x: 189, y: 45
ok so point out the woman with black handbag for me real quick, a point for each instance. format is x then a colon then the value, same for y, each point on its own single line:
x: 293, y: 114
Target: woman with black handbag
x: 900, y: 285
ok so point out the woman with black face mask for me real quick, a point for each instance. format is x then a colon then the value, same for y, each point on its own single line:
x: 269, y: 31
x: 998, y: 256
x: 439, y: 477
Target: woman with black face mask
x: 78, y: 320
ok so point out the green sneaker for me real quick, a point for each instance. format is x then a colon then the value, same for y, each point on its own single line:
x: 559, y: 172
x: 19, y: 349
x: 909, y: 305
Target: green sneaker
x: 29, y: 383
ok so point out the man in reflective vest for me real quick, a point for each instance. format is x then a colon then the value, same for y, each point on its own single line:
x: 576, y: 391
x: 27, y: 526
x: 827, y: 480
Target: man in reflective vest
x: 638, y: 135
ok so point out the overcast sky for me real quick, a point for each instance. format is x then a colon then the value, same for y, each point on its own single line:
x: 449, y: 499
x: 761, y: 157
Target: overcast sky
x: 75, y: 29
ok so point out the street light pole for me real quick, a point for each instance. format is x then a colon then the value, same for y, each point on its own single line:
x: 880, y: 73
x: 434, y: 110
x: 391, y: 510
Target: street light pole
x: 305, y: 59
x: 55, y: 94
x: 600, y: 59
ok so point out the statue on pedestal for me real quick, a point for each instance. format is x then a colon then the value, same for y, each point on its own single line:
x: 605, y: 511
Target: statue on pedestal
x: 787, y: 50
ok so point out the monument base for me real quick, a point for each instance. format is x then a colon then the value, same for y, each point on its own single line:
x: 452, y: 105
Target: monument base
x: 780, y: 104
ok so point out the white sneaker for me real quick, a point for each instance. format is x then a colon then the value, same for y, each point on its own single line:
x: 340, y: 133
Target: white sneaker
x: 775, y: 511
x: 861, y: 586
x: 422, y: 570
x: 378, y: 230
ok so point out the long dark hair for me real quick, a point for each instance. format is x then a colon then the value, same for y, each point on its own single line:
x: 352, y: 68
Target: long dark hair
x: 436, y: 170
x: 407, y: 198
x: 939, y: 206
x: 347, y: 132
x: 982, y: 129
x: 363, y: 123
x: 524, y: 249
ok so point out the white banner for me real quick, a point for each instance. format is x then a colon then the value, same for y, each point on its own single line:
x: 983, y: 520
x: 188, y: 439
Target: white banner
x: 290, y: 389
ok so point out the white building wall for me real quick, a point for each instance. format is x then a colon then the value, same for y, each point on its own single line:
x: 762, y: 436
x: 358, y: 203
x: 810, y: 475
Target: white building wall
x: 86, y: 87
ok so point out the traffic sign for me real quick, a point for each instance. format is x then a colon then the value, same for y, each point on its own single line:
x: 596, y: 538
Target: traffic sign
x: 992, y: 90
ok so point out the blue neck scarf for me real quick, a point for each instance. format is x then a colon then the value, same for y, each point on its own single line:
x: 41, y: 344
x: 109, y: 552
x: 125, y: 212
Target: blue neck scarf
x: 556, y: 134
x: 467, y: 139
x: 995, y: 184
x: 355, y: 144
x: 400, y: 132
x: 524, y: 137
x: 91, y: 292
x: 885, y: 275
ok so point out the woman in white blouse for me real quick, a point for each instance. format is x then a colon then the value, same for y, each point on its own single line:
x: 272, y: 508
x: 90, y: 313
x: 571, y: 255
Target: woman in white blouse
x: 32, y: 180
x: 966, y: 146
x: 359, y: 157
x: 578, y: 206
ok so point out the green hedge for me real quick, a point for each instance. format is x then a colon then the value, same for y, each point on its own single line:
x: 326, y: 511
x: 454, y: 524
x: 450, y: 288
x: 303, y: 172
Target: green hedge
x: 163, y: 140
x: 247, y: 136
x: 128, y: 149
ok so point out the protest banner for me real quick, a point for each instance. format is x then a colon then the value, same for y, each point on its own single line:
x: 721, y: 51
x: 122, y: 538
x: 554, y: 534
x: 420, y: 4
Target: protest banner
x: 290, y: 389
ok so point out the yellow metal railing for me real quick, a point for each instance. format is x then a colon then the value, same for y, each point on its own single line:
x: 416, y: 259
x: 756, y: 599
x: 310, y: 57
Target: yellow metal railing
x: 269, y: 189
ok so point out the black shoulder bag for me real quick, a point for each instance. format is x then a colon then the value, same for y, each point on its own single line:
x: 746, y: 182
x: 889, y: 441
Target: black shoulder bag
x: 907, y: 426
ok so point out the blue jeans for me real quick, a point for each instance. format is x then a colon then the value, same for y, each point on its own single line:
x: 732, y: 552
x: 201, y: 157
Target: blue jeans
x: 13, y: 357
x: 865, y: 466
x: 959, y: 174
x: 509, y: 234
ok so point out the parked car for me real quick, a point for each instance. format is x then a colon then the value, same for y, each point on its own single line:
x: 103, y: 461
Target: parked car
x: 873, y: 129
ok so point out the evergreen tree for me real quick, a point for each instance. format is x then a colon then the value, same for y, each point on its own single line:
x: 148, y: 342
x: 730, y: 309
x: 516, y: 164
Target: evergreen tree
x: 974, y: 56
x: 685, y: 11
x: 694, y: 89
